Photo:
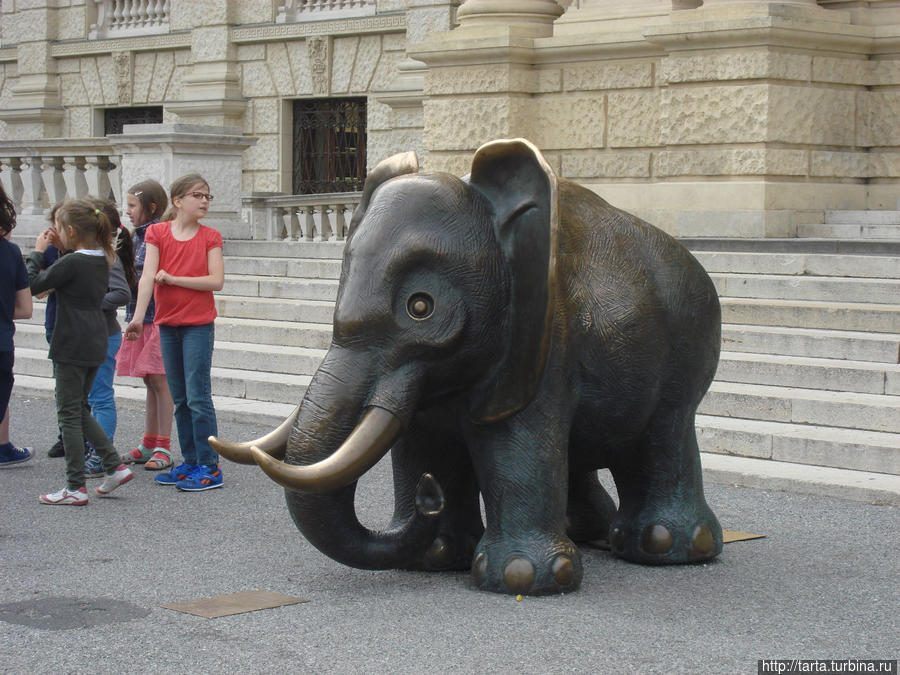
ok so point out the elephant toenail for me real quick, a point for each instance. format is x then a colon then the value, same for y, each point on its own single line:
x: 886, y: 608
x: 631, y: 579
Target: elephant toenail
x: 617, y: 539
x: 563, y: 570
x: 519, y: 575
x: 703, y: 540
x: 438, y: 554
x: 479, y: 568
x: 656, y: 539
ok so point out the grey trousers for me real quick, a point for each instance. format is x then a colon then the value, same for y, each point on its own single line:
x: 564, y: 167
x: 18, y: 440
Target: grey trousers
x: 73, y: 384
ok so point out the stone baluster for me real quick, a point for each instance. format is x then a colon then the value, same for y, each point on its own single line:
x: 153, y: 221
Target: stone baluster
x: 340, y: 223
x: 73, y: 174
x: 326, y: 231
x: 11, y: 178
x: 51, y: 168
x: 32, y: 186
x: 96, y: 176
x: 309, y: 222
x: 114, y: 176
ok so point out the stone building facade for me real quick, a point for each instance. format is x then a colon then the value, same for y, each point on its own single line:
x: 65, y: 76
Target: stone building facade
x: 713, y: 117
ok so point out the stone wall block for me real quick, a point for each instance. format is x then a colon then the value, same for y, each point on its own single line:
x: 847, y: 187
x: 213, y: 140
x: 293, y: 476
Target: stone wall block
x: 714, y: 115
x: 566, y: 121
x: 744, y: 65
x: 67, y: 66
x: 491, y: 78
x: 460, y: 124
x: 394, y: 42
x: 106, y: 70
x: 386, y: 71
x: 424, y: 21
x: 367, y: 57
x: 256, y: 80
x: 210, y: 44
x: 186, y: 15
x: 633, y: 119
x: 175, y: 90
x: 458, y: 163
x: 90, y: 77
x: 884, y: 164
x: 885, y: 73
x: 78, y: 122
x: 254, y: 52
x: 578, y: 165
x: 298, y: 56
x: 608, y: 75
x: 260, y: 157
x: 32, y: 57
x: 732, y: 162
x: 842, y: 71
x: 70, y: 23
x: 144, y: 65
x: 343, y: 58
x: 279, y: 67
x: 72, y: 92
x: 812, y: 115
x: 379, y: 116
x: 162, y: 73
x: 839, y: 164
x: 183, y: 57
x: 253, y: 11
x: 884, y: 117
x: 264, y: 114
x: 30, y: 25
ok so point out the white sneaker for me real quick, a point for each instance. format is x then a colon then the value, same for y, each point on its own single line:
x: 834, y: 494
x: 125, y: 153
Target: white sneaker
x: 121, y: 476
x: 67, y: 497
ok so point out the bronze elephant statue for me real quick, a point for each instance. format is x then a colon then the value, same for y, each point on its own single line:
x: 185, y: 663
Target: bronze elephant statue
x: 505, y: 334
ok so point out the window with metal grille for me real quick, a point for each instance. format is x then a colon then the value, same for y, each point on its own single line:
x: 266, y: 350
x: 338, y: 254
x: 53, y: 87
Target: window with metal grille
x: 115, y: 118
x: 329, y: 145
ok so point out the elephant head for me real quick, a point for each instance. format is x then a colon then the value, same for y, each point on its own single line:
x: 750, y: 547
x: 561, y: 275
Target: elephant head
x: 445, y: 303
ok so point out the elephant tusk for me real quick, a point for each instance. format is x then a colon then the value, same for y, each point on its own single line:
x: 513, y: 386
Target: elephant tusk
x: 376, y: 432
x: 274, y: 443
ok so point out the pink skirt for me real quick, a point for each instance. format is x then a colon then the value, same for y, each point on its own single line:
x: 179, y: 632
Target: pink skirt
x: 137, y: 358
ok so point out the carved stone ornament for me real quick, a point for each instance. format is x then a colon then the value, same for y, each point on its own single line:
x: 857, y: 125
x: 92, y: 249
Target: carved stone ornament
x: 319, y: 50
x: 123, y: 63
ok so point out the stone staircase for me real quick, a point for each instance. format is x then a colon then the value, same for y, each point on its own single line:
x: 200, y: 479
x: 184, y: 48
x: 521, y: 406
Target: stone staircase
x: 808, y: 375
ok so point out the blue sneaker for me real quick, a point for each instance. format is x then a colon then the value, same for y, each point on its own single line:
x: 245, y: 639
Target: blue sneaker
x: 10, y: 454
x: 201, y: 478
x: 93, y: 465
x: 172, y: 476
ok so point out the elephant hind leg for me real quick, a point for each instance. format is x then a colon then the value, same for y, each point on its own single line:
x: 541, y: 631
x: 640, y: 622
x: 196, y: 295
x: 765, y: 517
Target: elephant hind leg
x: 663, y: 516
x: 590, y: 510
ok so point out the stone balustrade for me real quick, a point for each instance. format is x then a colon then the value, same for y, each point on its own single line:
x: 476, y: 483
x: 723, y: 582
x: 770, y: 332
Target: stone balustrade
x: 279, y: 217
x: 125, y: 18
x: 37, y: 174
x: 305, y: 10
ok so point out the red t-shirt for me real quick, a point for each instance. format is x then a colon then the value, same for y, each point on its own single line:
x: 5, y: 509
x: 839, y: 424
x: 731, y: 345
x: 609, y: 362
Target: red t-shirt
x: 175, y: 305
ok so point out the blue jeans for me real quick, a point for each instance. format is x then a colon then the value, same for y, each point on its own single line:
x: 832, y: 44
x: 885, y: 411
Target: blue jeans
x: 102, y: 398
x: 187, y: 355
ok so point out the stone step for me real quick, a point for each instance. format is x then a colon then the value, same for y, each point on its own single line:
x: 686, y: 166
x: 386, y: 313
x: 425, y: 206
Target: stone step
x: 295, y: 250
x: 800, y: 443
x: 268, y: 332
x: 822, y: 289
x: 862, y: 377
x: 812, y: 342
x: 806, y: 264
x: 879, y: 217
x: 793, y: 245
x: 305, y: 268
x: 812, y: 314
x: 888, y: 231
x: 280, y: 287
x: 870, y: 412
x: 276, y: 309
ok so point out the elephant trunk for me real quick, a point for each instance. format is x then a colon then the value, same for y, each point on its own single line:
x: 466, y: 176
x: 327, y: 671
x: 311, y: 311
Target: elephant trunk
x: 328, y: 448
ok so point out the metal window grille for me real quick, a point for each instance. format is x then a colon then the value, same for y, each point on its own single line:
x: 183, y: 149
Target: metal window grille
x: 115, y: 118
x: 329, y: 145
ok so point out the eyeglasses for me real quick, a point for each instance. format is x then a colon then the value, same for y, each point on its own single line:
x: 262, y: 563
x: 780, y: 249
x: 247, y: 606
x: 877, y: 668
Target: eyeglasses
x: 200, y: 195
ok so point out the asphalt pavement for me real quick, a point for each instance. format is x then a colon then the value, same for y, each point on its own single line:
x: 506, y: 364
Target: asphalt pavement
x: 83, y: 587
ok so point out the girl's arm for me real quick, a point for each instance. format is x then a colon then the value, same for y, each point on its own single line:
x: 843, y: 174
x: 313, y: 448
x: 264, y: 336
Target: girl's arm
x: 135, y: 327
x: 117, y: 292
x: 24, y: 306
x: 213, y: 281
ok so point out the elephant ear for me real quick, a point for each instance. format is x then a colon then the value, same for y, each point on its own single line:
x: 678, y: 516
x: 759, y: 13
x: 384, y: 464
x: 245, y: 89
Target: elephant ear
x: 524, y: 192
x: 395, y: 165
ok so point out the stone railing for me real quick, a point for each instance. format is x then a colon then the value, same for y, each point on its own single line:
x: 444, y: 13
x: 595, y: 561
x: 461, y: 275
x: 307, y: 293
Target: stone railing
x: 278, y: 217
x: 125, y: 18
x: 293, y: 11
x: 37, y: 174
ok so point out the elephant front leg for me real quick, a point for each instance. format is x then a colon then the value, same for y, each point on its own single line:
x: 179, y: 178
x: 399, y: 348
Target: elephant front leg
x: 522, y: 471
x: 663, y: 516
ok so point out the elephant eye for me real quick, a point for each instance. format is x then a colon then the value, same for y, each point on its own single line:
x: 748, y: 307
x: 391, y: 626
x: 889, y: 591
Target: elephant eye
x: 420, y: 306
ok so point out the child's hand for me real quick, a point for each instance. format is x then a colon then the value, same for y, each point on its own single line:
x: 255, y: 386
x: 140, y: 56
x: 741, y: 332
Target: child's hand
x: 54, y: 237
x: 43, y: 241
x: 134, y: 330
x: 162, y: 278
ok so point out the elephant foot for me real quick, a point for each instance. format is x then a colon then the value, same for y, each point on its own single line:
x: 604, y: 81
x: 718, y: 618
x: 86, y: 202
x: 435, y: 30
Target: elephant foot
x: 448, y: 552
x: 668, y: 537
x: 589, y: 515
x: 539, y: 567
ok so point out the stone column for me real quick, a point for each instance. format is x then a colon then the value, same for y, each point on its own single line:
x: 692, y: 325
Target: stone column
x: 167, y: 151
x: 33, y: 110
x: 532, y: 17
x: 212, y: 89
